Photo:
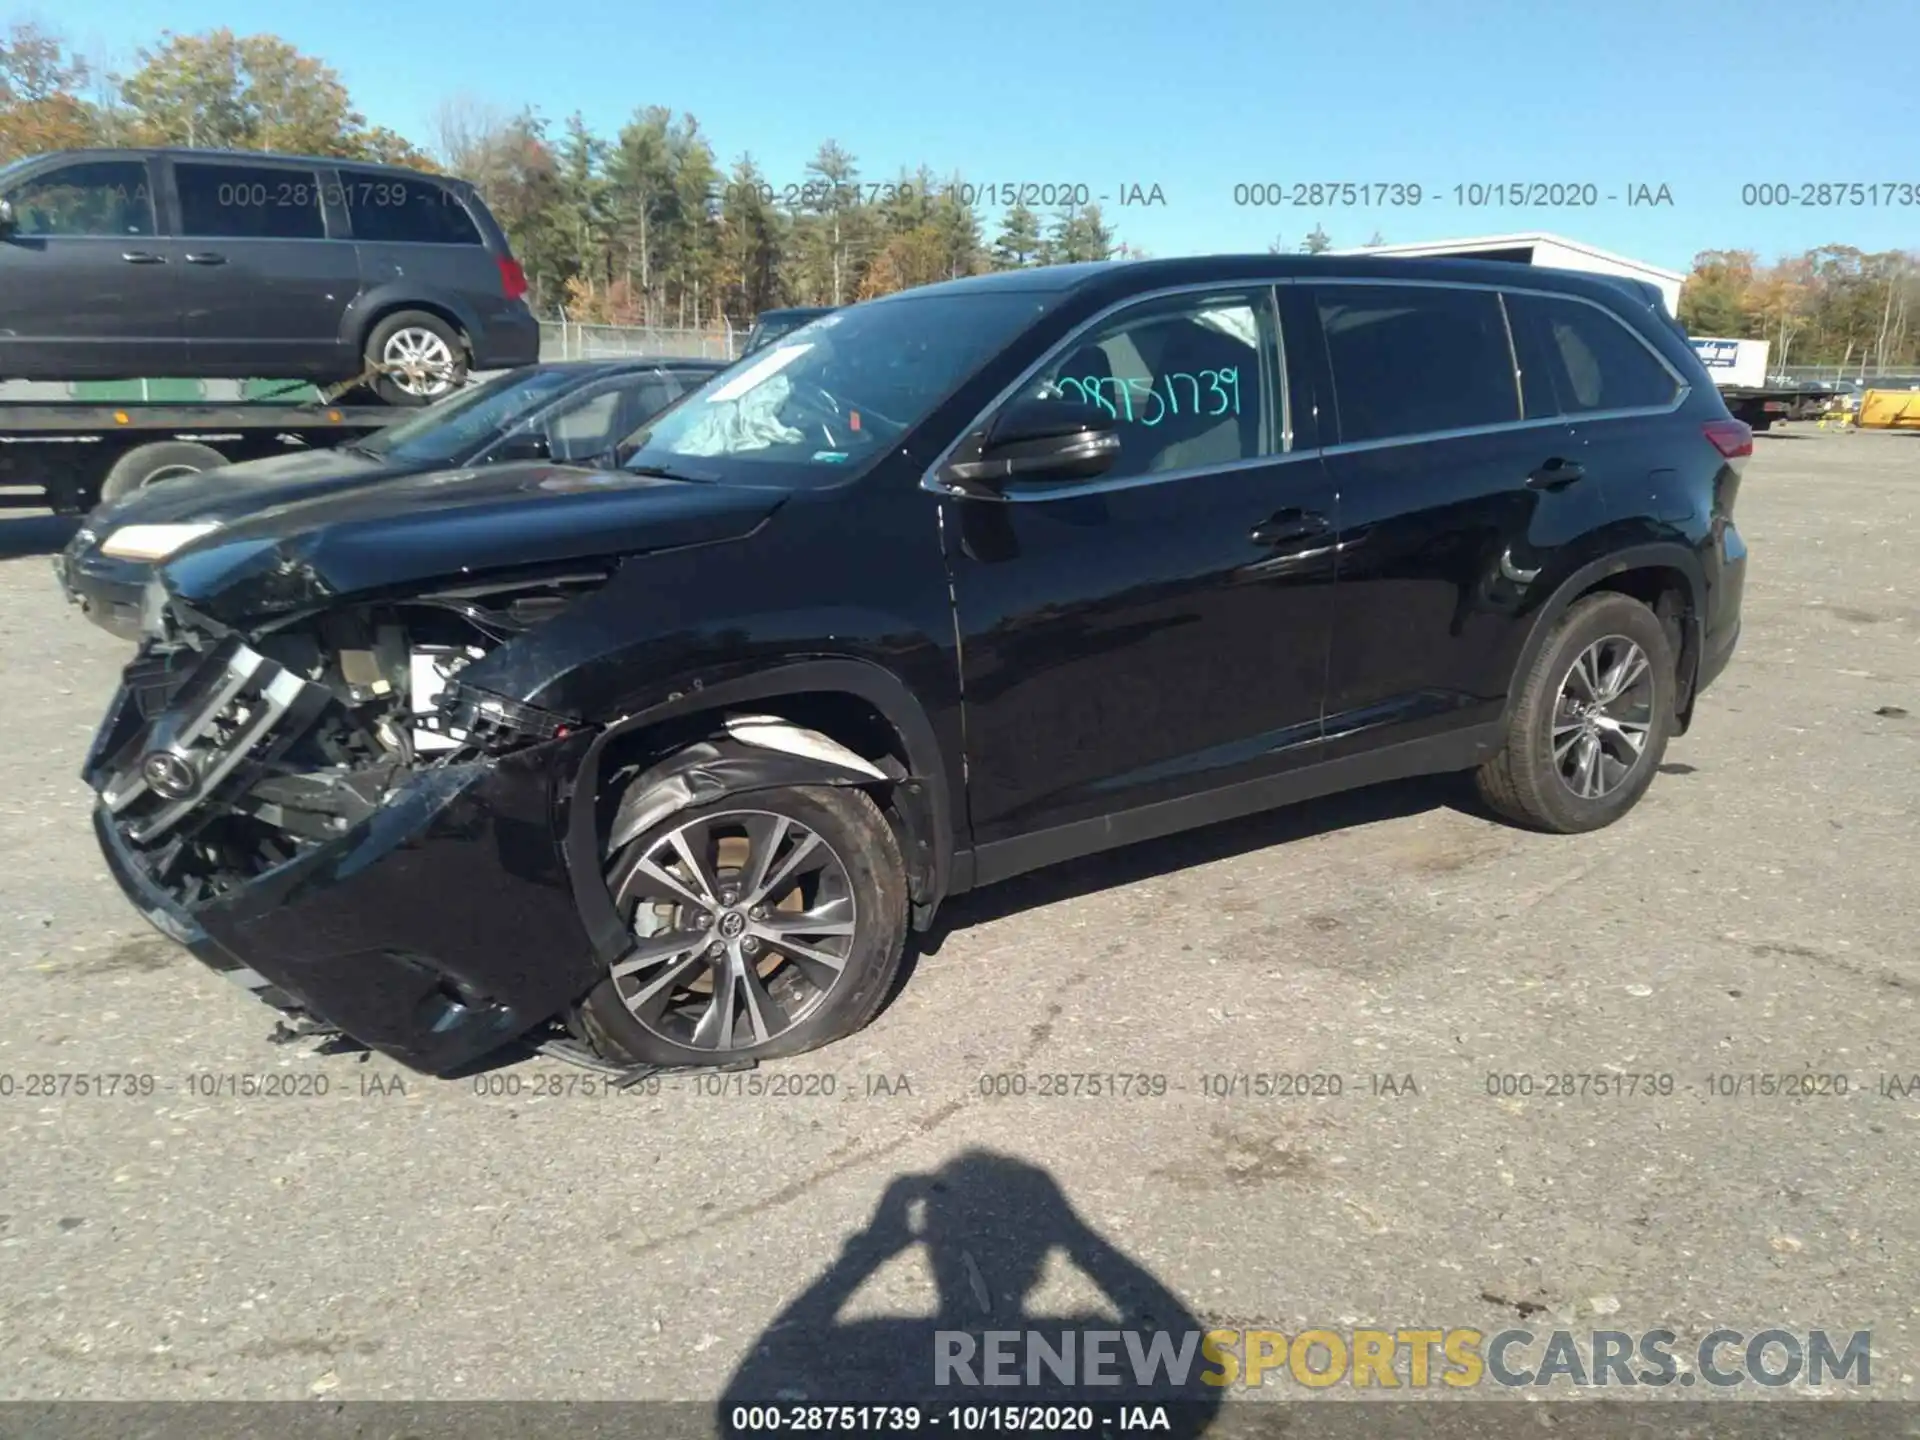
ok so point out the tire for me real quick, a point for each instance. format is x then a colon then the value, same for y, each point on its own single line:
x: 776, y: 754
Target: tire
x: 683, y: 1025
x: 435, y: 343
x: 1525, y: 783
x: 144, y: 464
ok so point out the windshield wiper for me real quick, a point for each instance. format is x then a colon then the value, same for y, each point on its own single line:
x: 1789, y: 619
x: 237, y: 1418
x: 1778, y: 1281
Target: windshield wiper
x: 364, y: 451
x: 667, y: 472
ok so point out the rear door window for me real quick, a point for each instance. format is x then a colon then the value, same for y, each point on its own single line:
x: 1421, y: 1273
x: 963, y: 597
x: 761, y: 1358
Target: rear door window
x: 405, y: 209
x: 1582, y: 359
x: 248, y: 202
x: 1410, y: 360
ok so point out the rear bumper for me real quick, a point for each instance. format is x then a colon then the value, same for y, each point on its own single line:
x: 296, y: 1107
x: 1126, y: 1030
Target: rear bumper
x: 435, y: 929
x: 507, y: 340
x: 1727, y: 591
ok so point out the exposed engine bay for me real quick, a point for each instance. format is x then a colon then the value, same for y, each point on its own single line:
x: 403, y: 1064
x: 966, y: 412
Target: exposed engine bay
x: 275, y: 742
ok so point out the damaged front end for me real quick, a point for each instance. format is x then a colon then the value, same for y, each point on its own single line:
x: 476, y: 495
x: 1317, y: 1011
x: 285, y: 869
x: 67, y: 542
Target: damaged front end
x: 322, y: 812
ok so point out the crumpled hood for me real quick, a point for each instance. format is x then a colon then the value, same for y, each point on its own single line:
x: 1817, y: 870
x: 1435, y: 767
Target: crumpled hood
x: 233, y: 490
x: 443, y: 525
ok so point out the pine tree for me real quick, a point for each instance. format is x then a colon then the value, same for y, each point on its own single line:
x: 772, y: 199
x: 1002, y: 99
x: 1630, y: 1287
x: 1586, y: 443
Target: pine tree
x: 1019, y: 243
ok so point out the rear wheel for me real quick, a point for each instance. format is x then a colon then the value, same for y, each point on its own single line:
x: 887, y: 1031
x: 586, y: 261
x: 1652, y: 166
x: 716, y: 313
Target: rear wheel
x: 420, y: 358
x: 162, y: 460
x: 1591, y: 722
x: 763, y: 926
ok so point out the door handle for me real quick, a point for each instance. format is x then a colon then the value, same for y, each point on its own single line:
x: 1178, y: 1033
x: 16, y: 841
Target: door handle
x: 1285, y: 525
x: 206, y: 257
x: 143, y: 257
x: 1556, y: 474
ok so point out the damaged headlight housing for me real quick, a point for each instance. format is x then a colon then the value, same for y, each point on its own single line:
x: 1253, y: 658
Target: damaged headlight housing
x: 153, y: 609
x: 155, y: 542
x: 492, y: 724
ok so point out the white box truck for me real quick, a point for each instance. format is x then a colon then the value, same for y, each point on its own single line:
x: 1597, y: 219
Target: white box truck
x: 1739, y: 369
x: 1733, y: 362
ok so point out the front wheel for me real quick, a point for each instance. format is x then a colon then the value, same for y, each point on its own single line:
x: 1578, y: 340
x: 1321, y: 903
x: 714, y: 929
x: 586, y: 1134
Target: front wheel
x: 764, y: 926
x: 1591, y: 721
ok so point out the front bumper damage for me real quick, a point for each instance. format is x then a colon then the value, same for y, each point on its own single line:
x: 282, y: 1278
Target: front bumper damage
x: 108, y: 591
x: 424, y: 910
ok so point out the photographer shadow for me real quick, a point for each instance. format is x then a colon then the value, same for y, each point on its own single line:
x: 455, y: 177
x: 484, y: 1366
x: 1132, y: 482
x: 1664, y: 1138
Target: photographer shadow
x: 988, y: 1224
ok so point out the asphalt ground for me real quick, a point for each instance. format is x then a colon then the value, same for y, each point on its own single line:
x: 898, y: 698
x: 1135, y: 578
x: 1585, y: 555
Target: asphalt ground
x: 1070, y: 1101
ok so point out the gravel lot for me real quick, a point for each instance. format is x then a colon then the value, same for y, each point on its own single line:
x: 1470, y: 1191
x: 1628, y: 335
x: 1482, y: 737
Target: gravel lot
x: 405, y: 1238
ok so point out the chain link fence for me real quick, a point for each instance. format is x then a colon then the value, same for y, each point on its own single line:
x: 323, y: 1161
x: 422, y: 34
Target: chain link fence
x: 566, y: 340
x: 1799, y: 374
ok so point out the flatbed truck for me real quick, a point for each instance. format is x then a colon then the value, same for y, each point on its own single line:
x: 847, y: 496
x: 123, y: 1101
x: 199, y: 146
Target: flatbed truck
x: 69, y: 455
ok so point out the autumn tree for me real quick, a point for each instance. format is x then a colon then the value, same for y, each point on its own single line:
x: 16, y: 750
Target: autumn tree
x: 40, y: 85
x: 1773, y: 307
x: 1718, y: 297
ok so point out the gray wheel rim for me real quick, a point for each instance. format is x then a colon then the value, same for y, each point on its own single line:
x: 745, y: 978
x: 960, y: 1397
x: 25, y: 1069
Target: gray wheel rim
x: 1602, y: 716
x: 743, y: 923
x: 419, y: 361
x: 167, y: 472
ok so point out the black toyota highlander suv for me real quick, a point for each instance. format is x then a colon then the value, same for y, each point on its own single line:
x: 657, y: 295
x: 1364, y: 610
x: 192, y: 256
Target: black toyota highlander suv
x: 955, y: 584
x: 118, y: 264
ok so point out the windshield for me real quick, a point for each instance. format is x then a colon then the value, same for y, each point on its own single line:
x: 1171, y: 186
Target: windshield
x: 448, y: 432
x: 843, y: 387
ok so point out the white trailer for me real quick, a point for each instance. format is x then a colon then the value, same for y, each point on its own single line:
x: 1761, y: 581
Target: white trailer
x: 1540, y: 248
x: 1733, y: 362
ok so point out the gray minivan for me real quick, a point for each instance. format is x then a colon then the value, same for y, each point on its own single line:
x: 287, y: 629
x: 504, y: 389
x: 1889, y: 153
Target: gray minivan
x: 219, y: 264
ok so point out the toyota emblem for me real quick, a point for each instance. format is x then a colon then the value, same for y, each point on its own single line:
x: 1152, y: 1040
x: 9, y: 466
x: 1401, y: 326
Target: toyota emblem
x: 168, y: 775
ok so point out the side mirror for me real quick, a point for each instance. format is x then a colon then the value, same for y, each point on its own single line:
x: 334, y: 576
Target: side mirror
x: 1054, y: 440
x: 523, y: 445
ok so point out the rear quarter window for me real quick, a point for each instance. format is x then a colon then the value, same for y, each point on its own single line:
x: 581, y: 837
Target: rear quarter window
x: 1579, y: 359
x: 405, y: 209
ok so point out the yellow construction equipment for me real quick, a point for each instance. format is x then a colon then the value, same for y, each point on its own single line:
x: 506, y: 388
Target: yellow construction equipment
x: 1890, y: 410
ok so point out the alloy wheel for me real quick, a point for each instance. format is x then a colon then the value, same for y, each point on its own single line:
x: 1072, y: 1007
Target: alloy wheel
x: 743, y: 923
x: 419, y: 361
x: 1602, y: 715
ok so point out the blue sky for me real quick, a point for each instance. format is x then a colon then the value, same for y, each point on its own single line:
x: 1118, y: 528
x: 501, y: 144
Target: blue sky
x: 1700, y: 96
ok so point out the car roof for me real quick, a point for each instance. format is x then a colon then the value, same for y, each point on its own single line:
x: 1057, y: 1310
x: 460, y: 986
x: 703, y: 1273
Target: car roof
x: 787, y: 310
x: 202, y: 152
x: 1118, y: 279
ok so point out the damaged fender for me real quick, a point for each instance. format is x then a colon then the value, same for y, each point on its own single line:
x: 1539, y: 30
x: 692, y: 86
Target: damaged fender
x: 757, y: 752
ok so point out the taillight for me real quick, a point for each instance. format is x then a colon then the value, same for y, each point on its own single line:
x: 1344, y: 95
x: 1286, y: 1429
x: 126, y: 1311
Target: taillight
x: 1732, y: 438
x: 513, y: 279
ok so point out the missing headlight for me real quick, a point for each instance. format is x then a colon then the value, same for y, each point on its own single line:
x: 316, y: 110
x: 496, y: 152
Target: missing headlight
x: 430, y: 669
x: 492, y: 723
